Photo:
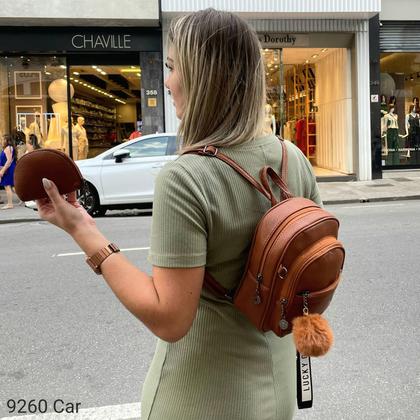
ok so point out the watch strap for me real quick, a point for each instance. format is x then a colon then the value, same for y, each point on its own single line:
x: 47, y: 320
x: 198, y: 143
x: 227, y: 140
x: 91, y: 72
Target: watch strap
x: 95, y: 260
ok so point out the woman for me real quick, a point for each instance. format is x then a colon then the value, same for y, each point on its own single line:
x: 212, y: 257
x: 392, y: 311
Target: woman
x: 210, y: 362
x: 32, y: 143
x: 7, y: 169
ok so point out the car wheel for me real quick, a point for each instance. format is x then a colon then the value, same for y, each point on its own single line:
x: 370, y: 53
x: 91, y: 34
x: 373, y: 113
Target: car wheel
x: 89, y: 199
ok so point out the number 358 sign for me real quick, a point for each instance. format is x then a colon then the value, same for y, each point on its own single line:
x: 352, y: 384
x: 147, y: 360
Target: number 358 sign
x: 151, y: 97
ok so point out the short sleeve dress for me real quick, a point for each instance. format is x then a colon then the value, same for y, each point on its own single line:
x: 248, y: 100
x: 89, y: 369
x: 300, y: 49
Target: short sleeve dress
x: 204, y: 214
x: 7, y: 178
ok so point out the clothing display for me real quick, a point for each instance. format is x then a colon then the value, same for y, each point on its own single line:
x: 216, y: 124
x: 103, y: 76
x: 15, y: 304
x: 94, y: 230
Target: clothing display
x: 205, y: 214
x: 384, y: 108
x: 413, y: 122
x: 392, y: 138
x: 390, y: 121
x: 82, y: 141
x: 7, y: 178
x: 65, y: 142
x: 269, y: 119
x: 289, y: 130
x: 34, y: 128
x: 301, y: 135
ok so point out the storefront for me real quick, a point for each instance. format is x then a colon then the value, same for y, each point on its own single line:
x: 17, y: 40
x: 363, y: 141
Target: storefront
x: 400, y: 93
x: 309, y: 96
x: 115, y: 90
x: 317, y: 75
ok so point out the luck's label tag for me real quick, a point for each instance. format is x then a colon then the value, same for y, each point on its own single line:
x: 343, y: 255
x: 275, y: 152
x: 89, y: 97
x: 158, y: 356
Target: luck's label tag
x: 304, y: 381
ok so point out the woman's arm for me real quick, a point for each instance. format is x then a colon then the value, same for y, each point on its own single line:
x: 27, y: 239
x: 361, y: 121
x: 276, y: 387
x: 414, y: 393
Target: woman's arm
x: 9, y: 156
x: 165, y: 302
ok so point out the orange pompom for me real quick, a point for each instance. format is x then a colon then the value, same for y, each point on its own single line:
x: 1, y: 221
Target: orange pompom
x: 312, y: 335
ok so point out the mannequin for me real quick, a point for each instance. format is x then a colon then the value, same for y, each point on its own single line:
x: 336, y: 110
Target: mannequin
x: 270, y: 120
x: 392, y: 100
x: 57, y: 90
x: 416, y: 104
x: 64, y: 145
x: 35, y: 128
x: 412, y: 127
x: 384, y: 107
x: 390, y: 132
x: 81, y: 137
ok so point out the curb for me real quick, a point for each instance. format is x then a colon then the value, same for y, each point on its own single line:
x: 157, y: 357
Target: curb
x: 325, y: 202
x: 6, y: 221
x: 370, y: 200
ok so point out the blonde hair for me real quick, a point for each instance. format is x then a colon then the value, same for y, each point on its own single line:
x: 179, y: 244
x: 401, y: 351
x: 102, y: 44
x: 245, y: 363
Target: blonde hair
x: 221, y: 68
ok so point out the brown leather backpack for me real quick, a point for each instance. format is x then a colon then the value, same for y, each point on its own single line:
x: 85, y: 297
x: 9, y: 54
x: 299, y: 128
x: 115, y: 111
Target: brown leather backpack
x: 295, y: 259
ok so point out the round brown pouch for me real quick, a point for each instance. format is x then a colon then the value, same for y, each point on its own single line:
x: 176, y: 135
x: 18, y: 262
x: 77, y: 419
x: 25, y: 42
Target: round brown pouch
x: 45, y: 163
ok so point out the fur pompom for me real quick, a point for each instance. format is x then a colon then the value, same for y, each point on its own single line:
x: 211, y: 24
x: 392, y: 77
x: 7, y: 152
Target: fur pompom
x: 312, y: 335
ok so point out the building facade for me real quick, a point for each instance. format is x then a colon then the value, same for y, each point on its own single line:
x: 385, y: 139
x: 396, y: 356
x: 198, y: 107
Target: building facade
x: 399, y: 42
x: 111, y: 56
x: 317, y: 73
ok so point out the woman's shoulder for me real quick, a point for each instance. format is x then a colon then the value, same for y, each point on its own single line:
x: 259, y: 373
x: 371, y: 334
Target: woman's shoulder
x: 183, y: 170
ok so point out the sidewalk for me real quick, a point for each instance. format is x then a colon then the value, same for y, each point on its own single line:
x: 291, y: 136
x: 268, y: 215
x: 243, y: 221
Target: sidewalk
x: 395, y: 185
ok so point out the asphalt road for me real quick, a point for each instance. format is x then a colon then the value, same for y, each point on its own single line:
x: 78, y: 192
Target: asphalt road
x: 65, y: 336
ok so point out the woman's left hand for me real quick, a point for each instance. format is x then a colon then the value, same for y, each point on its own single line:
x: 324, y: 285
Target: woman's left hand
x: 63, y: 211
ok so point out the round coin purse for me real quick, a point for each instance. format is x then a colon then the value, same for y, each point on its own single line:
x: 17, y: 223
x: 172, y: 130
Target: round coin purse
x: 45, y: 163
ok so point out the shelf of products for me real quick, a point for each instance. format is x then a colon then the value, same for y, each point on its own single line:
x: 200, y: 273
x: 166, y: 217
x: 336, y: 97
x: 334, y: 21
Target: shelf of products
x: 100, y: 120
x: 300, y: 108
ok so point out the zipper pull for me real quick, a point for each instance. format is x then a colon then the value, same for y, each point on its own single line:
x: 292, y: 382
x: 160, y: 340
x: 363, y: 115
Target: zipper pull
x: 305, y: 303
x: 283, y: 324
x: 257, y: 298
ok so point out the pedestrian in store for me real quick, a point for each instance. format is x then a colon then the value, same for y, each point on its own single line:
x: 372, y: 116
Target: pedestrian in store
x: 210, y: 362
x: 8, y: 158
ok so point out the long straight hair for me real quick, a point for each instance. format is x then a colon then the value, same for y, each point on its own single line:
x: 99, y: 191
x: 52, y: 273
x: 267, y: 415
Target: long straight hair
x: 218, y: 56
x: 8, y: 139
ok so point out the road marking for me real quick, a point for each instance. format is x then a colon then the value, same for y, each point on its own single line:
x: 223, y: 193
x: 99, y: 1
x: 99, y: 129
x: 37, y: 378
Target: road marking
x: 71, y: 254
x: 109, y: 412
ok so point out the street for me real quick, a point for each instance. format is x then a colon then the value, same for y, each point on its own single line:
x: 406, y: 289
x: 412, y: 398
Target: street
x: 64, y: 335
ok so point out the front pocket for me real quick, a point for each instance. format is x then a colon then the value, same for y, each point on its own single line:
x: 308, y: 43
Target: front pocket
x: 318, y: 301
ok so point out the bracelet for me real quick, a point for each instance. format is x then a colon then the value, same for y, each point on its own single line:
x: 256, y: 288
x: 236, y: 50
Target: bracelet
x: 99, y: 257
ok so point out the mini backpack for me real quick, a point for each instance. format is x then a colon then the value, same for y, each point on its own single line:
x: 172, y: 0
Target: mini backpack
x: 293, y: 269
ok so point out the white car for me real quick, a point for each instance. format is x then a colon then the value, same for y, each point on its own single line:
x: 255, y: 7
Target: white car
x: 124, y: 176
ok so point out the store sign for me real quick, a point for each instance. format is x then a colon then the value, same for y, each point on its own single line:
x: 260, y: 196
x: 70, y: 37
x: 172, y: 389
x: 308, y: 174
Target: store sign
x: 59, y: 39
x: 101, y: 41
x: 282, y: 40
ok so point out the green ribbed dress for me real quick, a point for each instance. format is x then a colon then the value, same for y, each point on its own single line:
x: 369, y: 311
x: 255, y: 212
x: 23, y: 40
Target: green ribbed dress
x: 204, y: 213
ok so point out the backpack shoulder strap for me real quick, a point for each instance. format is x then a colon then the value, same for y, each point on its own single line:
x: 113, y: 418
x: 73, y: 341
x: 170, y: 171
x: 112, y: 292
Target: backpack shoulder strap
x: 283, y: 166
x: 214, y: 152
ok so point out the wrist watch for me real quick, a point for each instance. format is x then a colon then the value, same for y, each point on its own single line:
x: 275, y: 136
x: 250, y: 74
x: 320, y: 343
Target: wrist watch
x: 95, y: 260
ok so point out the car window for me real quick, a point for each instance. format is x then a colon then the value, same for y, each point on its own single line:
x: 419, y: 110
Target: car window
x: 155, y: 146
x: 172, y: 146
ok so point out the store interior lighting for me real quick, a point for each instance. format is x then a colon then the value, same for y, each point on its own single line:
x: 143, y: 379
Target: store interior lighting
x: 96, y: 89
x: 290, y: 56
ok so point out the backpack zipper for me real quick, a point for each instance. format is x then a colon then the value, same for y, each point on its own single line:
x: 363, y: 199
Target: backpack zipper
x: 283, y: 268
x: 308, y: 258
x: 268, y: 247
x: 266, y: 250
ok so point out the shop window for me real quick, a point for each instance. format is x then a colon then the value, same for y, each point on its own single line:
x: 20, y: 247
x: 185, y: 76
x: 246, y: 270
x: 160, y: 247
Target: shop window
x: 400, y: 110
x: 309, y: 103
x: 106, y: 106
x: 34, y: 100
